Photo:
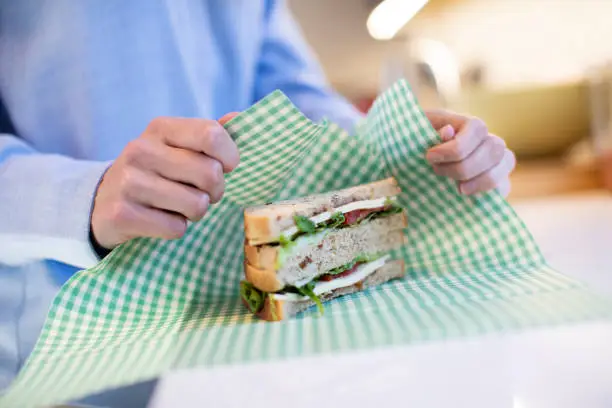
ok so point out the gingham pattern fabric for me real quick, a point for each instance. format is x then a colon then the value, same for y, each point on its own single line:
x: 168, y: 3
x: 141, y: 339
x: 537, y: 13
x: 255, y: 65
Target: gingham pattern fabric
x: 154, y: 306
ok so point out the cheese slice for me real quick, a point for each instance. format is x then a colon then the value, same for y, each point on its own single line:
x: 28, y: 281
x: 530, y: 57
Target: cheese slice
x: 362, y: 272
x: 355, y: 205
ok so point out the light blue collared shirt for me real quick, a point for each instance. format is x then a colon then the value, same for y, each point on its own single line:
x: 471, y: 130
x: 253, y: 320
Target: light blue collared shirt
x: 79, y: 80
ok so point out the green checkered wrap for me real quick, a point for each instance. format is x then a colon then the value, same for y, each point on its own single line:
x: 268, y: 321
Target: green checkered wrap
x: 153, y: 305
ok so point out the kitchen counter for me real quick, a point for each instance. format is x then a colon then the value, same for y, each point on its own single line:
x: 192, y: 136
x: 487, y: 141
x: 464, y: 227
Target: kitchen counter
x: 555, y: 176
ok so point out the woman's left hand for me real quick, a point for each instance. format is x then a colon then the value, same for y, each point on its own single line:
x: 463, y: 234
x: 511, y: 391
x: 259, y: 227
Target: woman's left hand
x: 469, y: 154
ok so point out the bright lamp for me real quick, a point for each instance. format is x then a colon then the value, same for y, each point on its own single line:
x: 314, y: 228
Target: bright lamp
x: 390, y: 16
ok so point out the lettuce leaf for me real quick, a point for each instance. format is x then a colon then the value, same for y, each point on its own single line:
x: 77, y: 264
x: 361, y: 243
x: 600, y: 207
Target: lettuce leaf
x: 308, y: 290
x: 285, y: 242
x: 365, y: 258
x: 253, y: 297
x: 393, y: 209
x: 304, y: 224
x: 336, y: 220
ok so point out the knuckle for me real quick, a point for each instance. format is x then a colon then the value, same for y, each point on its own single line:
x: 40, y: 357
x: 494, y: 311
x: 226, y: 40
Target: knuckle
x: 479, y: 127
x: 133, y: 151
x: 459, y: 151
x: 498, y: 139
x: 489, y: 179
x: 498, y: 150
x: 119, y: 213
x: 199, y: 208
x: 218, y: 193
x: 214, y: 133
x: 200, y: 183
x: 129, y: 182
x: 461, y: 171
x: 215, y: 172
x: 176, y: 229
x: 158, y: 125
x: 460, y: 148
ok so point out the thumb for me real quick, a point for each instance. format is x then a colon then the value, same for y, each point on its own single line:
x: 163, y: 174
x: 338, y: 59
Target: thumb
x: 447, y: 133
x: 227, y: 117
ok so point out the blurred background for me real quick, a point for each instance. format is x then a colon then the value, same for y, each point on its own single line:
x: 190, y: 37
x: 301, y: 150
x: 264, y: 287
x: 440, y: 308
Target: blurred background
x: 537, y: 71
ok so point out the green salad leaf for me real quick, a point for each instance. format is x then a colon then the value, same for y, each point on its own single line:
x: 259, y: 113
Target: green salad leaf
x: 284, y: 241
x: 304, y: 224
x: 393, y: 209
x: 365, y: 258
x: 341, y: 269
x: 308, y: 290
x: 390, y: 202
x: 336, y: 220
x: 252, y: 296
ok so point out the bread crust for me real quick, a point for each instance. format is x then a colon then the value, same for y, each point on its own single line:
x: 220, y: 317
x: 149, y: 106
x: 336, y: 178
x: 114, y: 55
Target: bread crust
x: 262, y: 279
x: 275, y: 309
x: 263, y: 224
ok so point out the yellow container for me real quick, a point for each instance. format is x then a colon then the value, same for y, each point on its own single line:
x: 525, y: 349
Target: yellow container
x: 538, y: 121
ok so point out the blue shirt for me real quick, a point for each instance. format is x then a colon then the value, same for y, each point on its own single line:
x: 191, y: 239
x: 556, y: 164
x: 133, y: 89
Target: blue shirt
x: 79, y: 80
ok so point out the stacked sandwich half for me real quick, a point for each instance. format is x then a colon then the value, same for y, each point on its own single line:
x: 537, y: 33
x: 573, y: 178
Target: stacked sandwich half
x: 306, y: 251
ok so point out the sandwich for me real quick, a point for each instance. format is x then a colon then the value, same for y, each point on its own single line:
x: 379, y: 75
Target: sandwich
x: 302, y: 252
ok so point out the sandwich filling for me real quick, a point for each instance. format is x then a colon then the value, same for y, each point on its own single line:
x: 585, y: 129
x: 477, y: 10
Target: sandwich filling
x: 346, y: 275
x: 345, y: 216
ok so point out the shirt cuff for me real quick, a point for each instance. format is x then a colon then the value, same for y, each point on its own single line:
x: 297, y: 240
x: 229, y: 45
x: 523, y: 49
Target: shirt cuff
x: 92, y: 251
x: 98, y: 249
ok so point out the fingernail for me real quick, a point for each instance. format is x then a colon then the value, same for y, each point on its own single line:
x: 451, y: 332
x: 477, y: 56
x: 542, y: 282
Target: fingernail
x: 465, y: 189
x: 447, y: 133
x: 205, y: 201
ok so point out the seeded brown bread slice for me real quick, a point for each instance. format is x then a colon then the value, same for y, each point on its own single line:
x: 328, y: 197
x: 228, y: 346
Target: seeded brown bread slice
x: 337, y: 248
x: 275, y: 309
x: 264, y: 223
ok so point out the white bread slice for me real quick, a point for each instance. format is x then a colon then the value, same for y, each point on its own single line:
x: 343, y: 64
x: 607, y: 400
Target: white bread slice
x: 275, y: 309
x: 337, y: 248
x: 265, y: 223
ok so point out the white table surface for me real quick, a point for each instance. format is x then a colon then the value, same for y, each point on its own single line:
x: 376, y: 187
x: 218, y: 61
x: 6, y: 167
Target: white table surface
x: 557, y: 368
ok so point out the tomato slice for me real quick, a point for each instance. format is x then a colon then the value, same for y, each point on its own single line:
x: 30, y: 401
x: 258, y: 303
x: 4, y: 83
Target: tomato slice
x: 355, y: 216
x: 328, y: 277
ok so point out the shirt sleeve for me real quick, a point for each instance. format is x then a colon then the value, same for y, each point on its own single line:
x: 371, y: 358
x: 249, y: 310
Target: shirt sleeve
x: 45, y: 205
x: 287, y: 63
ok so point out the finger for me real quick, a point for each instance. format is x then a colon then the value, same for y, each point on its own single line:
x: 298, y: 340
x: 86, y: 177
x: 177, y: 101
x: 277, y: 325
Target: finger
x: 199, y: 135
x: 141, y: 221
x: 486, y: 156
x: 492, y: 178
x: 469, y: 137
x: 440, y: 118
x: 185, y: 166
x: 504, y: 188
x: 155, y: 192
x: 199, y: 171
x: 227, y: 117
